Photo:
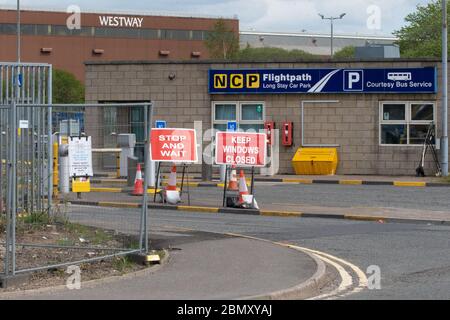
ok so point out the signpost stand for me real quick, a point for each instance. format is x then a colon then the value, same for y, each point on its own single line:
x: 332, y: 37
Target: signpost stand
x: 241, y: 149
x: 174, y: 146
x: 185, y: 173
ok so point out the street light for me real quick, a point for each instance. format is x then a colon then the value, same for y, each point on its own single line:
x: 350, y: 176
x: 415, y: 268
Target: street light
x: 331, y: 21
x: 444, y: 111
x: 18, y: 31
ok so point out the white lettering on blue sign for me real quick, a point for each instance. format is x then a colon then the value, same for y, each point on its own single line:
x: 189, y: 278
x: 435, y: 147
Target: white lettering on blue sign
x: 232, y: 126
x: 160, y: 124
x: 353, y: 80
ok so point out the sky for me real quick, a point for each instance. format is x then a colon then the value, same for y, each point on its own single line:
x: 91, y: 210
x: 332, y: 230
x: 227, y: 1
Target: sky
x: 368, y: 17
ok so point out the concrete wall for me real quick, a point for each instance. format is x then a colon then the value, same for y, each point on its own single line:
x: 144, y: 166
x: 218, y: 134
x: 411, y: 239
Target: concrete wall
x: 352, y: 123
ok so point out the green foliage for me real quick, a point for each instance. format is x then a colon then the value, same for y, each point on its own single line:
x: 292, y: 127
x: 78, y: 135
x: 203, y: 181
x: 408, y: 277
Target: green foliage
x: 122, y: 264
x: 421, y: 37
x: 222, y: 42
x: 66, y: 88
x: 271, y: 54
x: 346, y: 52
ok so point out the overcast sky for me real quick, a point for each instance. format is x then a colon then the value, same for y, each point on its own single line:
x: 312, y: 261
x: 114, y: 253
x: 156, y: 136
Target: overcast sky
x: 265, y: 15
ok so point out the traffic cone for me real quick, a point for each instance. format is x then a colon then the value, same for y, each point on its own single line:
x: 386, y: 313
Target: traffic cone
x: 171, y: 193
x: 233, y: 185
x: 172, y: 186
x: 138, y: 182
x: 243, y: 190
x: 246, y: 200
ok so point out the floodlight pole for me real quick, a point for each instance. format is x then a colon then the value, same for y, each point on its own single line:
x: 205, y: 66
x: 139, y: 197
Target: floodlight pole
x: 332, y: 28
x: 18, y: 31
x: 444, y: 116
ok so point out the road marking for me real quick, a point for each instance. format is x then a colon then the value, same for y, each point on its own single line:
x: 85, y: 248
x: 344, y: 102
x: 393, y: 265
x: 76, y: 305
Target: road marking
x: 409, y: 184
x: 198, y: 209
x: 301, y: 181
x: 351, y: 182
x: 345, y: 276
x: 362, y: 279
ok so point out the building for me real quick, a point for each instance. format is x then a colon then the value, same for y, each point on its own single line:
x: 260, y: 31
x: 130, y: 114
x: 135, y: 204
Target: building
x: 103, y: 36
x: 313, y: 43
x: 375, y: 112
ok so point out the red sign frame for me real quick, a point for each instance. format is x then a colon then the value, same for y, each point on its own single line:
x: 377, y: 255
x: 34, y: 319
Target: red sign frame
x: 241, y: 149
x: 173, y: 145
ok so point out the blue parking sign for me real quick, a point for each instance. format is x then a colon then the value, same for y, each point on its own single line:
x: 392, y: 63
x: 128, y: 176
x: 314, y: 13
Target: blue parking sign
x: 160, y: 124
x: 232, y: 126
x: 353, y: 80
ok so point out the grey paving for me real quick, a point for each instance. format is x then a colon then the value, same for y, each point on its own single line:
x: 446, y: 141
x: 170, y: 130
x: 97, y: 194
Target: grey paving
x: 205, y: 266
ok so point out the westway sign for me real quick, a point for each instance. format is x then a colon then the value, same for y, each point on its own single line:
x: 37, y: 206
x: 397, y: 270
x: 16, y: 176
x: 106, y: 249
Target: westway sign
x: 116, y: 21
x: 394, y: 80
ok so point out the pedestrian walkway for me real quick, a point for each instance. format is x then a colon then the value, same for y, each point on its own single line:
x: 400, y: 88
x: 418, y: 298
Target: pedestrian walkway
x: 201, y: 266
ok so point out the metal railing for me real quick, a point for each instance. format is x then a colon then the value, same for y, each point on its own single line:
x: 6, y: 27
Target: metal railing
x: 34, y: 222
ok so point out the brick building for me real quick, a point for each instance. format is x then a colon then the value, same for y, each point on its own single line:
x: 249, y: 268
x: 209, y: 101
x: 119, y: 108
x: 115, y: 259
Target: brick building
x: 375, y: 112
x: 103, y: 36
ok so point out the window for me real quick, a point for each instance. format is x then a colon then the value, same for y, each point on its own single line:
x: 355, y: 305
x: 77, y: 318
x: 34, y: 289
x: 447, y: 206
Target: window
x: 405, y: 123
x: 248, y: 115
x: 198, y: 35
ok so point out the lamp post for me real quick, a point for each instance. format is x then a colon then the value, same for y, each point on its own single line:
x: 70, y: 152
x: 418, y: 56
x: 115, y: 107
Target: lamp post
x: 444, y: 138
x: 18, y: 31
x: 331, y: 22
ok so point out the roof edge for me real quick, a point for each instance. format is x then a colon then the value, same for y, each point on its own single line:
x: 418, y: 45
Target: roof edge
x: 318, y: 60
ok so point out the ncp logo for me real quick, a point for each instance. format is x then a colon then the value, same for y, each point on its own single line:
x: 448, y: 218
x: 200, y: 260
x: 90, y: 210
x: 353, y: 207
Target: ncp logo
x: 237, y: 81
x: 353, y: 80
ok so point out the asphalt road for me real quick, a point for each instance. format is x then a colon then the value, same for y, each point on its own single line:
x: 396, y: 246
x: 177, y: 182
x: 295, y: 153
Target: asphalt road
x: 428, y: 198
x: 414, y: 259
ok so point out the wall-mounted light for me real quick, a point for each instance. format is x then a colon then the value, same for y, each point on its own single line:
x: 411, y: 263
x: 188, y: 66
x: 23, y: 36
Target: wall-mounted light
x: 46, y: 50
x: 164, y: 53
x: 172, y: 76
x: 196, y: 54
x: 98, y: 51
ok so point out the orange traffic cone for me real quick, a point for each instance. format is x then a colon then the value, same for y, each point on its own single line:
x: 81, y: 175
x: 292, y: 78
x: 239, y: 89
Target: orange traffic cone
x: 172, y: 186
x: 233, y: 185
x: 138, y: 183
x: 171, y: 194
x: 243, y: 190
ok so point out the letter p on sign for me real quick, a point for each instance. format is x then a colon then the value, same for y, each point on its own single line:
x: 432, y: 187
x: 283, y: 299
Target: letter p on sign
x: 353, y: 80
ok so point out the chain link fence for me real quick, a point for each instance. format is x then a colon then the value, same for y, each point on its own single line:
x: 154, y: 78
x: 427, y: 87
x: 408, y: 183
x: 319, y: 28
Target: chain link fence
x: 41, y: 226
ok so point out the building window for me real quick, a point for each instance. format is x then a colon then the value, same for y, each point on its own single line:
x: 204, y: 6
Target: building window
x: 405, y: 123
x: 248, y: 115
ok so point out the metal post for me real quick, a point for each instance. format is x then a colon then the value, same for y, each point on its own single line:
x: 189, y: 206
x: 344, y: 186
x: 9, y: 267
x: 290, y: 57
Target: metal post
x: 18, y: 31
x: 331, y: 37
x: 147, y: 123
x: 49, y: 142
x: 444, y: 116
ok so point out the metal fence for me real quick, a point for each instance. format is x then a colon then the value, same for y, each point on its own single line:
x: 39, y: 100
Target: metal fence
x: 41, y: 229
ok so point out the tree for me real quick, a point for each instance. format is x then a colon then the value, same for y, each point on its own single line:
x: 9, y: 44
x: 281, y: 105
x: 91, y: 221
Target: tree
x: 66, y: 88
x: 271, y: 54
x: 346, y: 52
x: 222, y: 42
x: 421, y: 37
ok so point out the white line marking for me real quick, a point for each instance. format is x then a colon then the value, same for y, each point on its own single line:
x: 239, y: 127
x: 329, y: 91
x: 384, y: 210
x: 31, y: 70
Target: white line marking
x: 362, y: 279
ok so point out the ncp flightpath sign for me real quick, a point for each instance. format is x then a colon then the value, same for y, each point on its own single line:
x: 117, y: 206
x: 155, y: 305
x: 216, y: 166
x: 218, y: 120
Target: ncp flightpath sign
x: 173, y: 145
x: 241, y: 149
x: 381, y: 80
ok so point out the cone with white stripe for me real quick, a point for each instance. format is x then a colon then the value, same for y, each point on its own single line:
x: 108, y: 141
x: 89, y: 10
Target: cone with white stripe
x: 172, y: 195
x: 246, y: 200
x: 233, y: 185
x: 138, y: 182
